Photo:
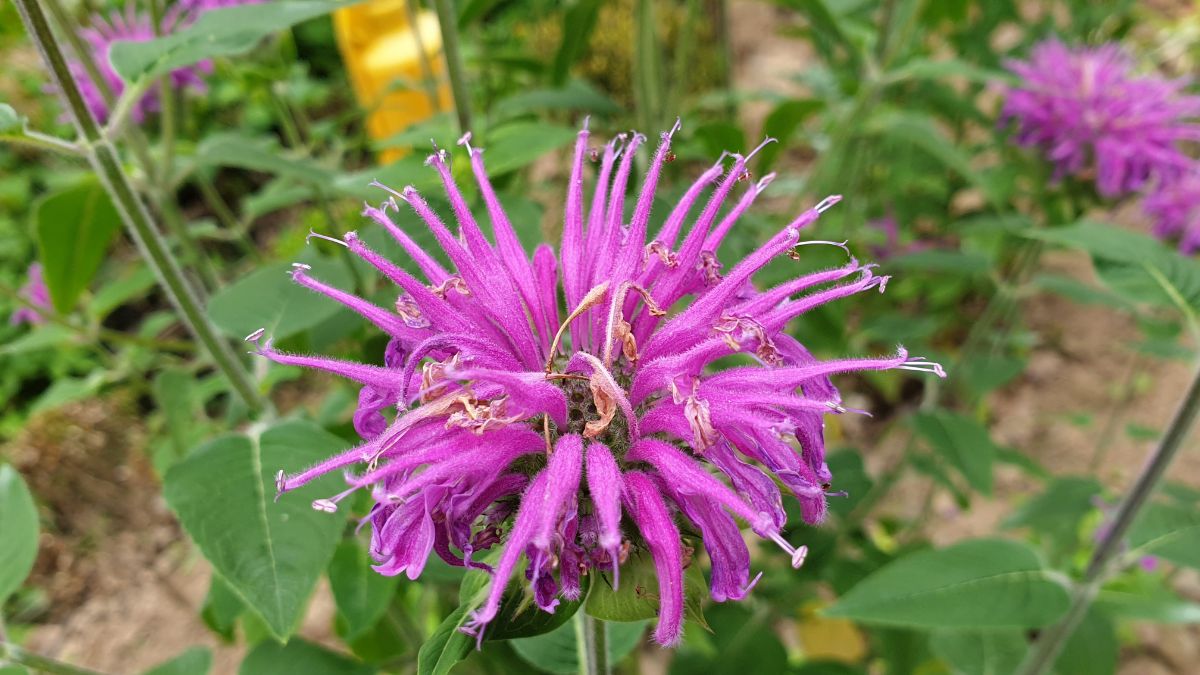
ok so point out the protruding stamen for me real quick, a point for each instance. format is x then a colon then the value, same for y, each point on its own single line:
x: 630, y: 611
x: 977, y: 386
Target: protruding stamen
x: 920, y: 365
x: 381, y: 186
x: 827, y: 203
x: 465, y: 141
x: 255, y: 336
x: 301, y: 266
x: 798, y: 556
x: 311, y: 234
x: 766, y: 141
x: 592, y: 298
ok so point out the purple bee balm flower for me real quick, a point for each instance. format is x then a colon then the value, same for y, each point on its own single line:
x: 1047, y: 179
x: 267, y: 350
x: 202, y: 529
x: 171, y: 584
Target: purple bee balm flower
x: 1093, y: 117
x: 132, y: 26
x: 37, y: 294
x: 502, y: 417
x: 1175, y: 208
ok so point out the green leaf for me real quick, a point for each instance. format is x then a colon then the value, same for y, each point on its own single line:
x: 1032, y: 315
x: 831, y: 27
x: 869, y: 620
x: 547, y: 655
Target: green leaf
x: 1133, y: 264
x: 193, y: 661
x: 299, y: 657
x: 920, y: 132
x: 268, y: 298
x: 447, y: 646
x: 578, y: 23
x: 927, y: 69
x: 1168, y: 531
x: 997, y: 652
x: 222, y: 607
x: 173, y: 392
x: 1159, y: 606
x: 558, y: 651
x: 221, y: 32
x: 513, y: 146
x: 963, y: 442
x: 258, y: 153
x: 851, y: 476
x: 576, y: 96
x: 361, y: 593
x: 964, y: 263
x: 18, y: 531
x: 270, y: 553
x: 983, y: 583
x: 742, y: 642
x: 9, y: 118
x: 781, y: 124
x: 637, y: 596
x: 74, y: 228
x: 1091, y: 649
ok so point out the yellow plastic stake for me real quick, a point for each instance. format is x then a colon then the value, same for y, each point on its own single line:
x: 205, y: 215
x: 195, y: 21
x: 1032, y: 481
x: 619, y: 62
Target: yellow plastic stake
x: 382, y: 53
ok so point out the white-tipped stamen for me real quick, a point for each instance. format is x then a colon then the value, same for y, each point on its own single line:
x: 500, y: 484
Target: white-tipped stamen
x: 827, y: 203
x: 253, y: 337
x: 301, y: 266
x: 798, y: 556
x: 312, y: 233
x: 381, y: 186
x: 920, y: 365
x: 766, y: 141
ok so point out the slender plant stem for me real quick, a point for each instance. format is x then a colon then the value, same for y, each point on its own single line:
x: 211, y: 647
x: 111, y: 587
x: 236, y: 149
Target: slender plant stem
x: 591, y: 637
x: 647, y: 66
x: 103, y: 158
x: 428, y: 80
x: 1050, y: 643
x: 448, y: 21
x: 11, y: 653
x: 220, y: 208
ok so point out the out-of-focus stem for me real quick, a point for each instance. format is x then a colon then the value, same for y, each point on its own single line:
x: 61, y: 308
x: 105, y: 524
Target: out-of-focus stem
x: 1050, y: 643
x: 647, y: 66
x: 428, y: 81
x: 103, y: 158
x: 11, y: 653
x: 448, y: 22
x: 591, y: 637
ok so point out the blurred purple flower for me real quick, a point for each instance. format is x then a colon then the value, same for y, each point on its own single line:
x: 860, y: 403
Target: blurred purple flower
x: 513, y: 424
x: 133, y: 26
x: 1175, y: 208
x: 1093, y: 117
x: 892, y: 247
x: 1148, y: 563
x: 37, y: 294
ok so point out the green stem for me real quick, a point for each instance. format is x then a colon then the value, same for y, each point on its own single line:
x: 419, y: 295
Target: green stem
x: 103, y: 158
x: 1050, y: 643
x: 647, y: 66
x: 220, y: 208
x: 448, y: 21
x: 11, y: 653
x: 591, y: 635
x: 428, y: 81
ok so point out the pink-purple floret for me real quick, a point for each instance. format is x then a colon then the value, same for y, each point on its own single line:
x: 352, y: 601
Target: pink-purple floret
x: 1095, y: 118
x: 37, y: 294
x: 495, y: 419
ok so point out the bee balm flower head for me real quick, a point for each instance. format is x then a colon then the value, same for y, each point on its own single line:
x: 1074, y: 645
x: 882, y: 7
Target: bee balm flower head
x: 565, y: 406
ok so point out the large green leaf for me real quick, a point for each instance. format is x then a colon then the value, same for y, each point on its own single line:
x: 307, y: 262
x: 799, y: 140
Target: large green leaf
x: 1091, y: 649
x: 974, y: 652
x: 270, y: 553
x: 1159, y: 606
x: 299, y: 657
x: 268, y: 298
x: 193, y: 661
x: 575, y: 96
x: 636, y: 598
x: 1136, y: 265
x: 558, y: 651
x: 361, y: 593
x: 258, y: 153
x: 18, y: 531
x: 447, y: 646
x: 221, y: 32
x: 1169, y: 531
x: 513, y: 146
x: 741, y: 642
x: 74, y: 228
x: 963, y: 442
x: 983, y: 583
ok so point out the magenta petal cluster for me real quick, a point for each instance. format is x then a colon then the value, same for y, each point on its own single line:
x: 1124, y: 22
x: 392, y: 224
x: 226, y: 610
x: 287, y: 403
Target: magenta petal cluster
x: 37, y: 294
x: 1174, y: 207
x: 1092, y: 116
x: 568, y: 406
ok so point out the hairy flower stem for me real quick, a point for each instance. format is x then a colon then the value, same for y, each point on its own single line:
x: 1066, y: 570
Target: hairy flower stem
x: 448, y: 21
x: 103, y: 158
x: 591, y: 635
x: 1050, y: 643
x: 14, y: 654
